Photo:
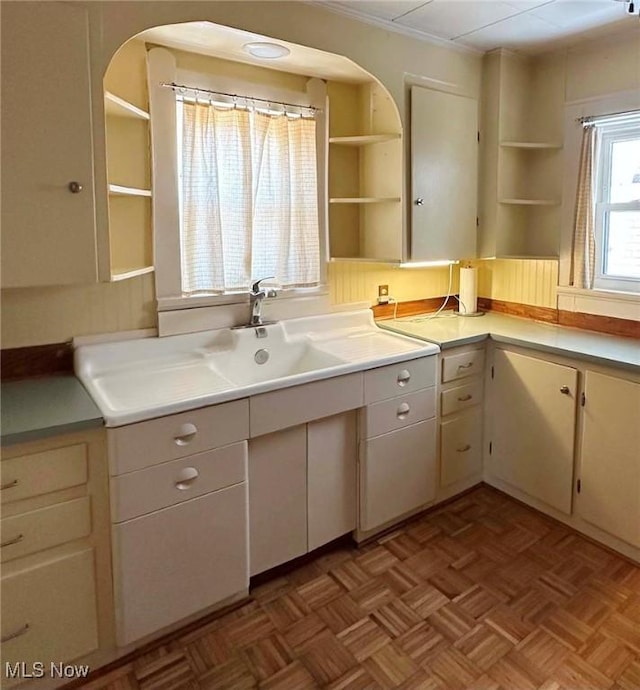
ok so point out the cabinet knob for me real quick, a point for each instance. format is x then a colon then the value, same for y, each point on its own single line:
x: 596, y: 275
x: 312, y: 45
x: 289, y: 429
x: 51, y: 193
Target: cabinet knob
x: 186, y: 433
x: 403, y: 411
x: 186, y: 477
x: 75, y: 187
x: 419, y: 201
x: 404, y: 377
x: 565, y: 390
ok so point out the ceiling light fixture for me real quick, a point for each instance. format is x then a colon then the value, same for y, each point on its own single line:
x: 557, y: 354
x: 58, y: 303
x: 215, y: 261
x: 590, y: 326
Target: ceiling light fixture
x: 265, y: 50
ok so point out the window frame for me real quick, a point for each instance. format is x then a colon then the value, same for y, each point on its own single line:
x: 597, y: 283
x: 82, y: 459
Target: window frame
x: 162, y: 68
x: 610, y: 135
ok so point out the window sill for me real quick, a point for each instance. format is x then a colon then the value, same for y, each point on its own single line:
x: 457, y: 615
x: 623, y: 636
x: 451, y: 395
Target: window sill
x: 196, y: 302
x: 621, y: 305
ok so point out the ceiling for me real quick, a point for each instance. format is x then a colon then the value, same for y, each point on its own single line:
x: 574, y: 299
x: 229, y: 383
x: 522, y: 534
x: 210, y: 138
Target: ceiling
x: 528, y: 26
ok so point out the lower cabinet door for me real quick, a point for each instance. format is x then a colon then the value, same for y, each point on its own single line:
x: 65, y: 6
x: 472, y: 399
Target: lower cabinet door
x: 175, y: 562
x: 397, y: 473
x: 49, y: 612
x: 278, y: 497
x: 461, y: 447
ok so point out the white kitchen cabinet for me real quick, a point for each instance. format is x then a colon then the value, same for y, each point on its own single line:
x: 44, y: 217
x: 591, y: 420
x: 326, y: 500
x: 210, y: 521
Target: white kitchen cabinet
x: 609, y: 471
x: 444, y: 175
x: 532, y: 426
x: 180, y: 560
x: 277, y: 498
x: 397, y: 473
x: 332, y: 450
x: 48, y: 214
x: 461, y: 447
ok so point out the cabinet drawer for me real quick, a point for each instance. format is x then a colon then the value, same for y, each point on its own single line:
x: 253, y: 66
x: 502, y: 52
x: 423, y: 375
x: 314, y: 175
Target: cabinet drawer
x: 41, y: 529
x: 49, y: 611
x: 41, y: 473
x: 289, y: 407
x: 144, y: 491
x: 180, y: 560
x: 140, y: 445
x: 397, y: 413
x: 461, y: 397
x: 462, y: 364
x: 398, y: 379
x: 461, y: 447
x: 397, y: 473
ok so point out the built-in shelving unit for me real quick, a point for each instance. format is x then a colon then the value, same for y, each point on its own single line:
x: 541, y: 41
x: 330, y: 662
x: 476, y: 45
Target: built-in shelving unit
x: 365, y: 174
x: 521, y: 175
x: 129, y: 187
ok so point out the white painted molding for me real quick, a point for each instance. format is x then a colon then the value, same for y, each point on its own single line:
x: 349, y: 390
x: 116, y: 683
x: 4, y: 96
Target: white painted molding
x: 621, y: 305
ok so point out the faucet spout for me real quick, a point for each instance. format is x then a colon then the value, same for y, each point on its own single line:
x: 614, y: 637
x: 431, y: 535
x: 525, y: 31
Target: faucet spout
x: 256, y: 297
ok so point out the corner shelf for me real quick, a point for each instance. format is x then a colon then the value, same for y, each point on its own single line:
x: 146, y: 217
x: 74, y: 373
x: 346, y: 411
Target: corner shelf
x: 530, y: 202
x: 363, y: 139
x: 364, y: 200
x: 118, y: 107
x: 121, y: 190
x: 532, y: 145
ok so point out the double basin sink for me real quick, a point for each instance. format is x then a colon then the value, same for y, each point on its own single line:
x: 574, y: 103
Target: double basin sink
x: 134, y: 380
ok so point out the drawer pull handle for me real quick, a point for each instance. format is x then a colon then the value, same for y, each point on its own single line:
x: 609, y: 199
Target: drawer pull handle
x: 465, y: 366
x: 464, y: 449
x: 186, y: 433
x: 9, y: 485
x: 11, y: 636
x: 404, y: 377
x: 465, y: 398
x: 403, y: 411
x: 186, y: 477
x: 13, y: 541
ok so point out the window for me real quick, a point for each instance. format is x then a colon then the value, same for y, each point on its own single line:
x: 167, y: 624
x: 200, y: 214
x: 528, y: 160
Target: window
x: 248, y: 198
x: 617, y: 203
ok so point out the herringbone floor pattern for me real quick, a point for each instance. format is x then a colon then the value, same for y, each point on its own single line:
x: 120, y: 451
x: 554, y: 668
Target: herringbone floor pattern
x: 484, y: 594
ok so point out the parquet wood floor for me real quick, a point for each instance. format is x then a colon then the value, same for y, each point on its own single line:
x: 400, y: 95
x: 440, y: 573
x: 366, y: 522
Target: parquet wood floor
x: 483, y: 594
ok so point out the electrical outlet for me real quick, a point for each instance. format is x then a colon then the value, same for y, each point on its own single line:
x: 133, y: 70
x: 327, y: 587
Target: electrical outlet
x: 383, y: 294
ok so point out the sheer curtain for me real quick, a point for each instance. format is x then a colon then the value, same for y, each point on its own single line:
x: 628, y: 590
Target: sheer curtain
x: 249, y: 205
x: 584, y: 244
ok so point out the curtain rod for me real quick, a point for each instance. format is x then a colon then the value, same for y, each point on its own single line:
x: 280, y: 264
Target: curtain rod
x: 269, y: 101
x: 594, y: 119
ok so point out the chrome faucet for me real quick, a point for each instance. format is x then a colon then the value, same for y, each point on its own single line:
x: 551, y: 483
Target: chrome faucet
x: 256, y: 296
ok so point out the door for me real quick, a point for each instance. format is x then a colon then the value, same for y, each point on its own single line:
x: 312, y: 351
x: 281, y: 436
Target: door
x: 397, y: 473
x: 48, y: 232
x: 532, y: 426
x: 331, y: 478
x: 277, y: 498
x: 610, y: 470
x: 444, y: 175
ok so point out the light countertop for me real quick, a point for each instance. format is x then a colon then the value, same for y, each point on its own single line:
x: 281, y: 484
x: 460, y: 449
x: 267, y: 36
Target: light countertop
x: 48, y: 406
x: 449, y: 330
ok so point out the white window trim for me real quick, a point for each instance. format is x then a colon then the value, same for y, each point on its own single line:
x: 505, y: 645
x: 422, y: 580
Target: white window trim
x: 162, y: 68
x: 601, y: 302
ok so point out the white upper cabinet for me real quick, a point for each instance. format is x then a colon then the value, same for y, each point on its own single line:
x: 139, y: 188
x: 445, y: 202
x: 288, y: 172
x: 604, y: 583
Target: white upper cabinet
x: 48, y: 215
x: 444, y: 175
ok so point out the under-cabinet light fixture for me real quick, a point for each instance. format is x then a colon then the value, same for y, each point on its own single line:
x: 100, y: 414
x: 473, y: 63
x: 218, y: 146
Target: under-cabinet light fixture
x: 265, y: 50
x: 426, y: 264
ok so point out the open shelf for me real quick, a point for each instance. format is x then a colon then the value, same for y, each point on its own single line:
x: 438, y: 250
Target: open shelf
x: 365, y: 200
x: 530, y: 202
x: 363, y: 139
x: 120, y: 190
x: 114, y: 105
x: 530, y: 145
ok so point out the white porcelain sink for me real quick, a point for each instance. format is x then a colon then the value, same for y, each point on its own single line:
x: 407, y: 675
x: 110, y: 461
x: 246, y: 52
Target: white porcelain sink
x: 133, y: 380
x: 250, y: 360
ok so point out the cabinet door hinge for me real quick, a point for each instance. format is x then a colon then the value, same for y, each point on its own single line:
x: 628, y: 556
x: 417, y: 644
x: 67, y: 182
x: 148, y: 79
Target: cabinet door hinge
x: 579, y: 486
x: 477, y: 222
x: 493, y: 372
x: 583, y: 399
x: 490, y: 447
x: 478, y: 136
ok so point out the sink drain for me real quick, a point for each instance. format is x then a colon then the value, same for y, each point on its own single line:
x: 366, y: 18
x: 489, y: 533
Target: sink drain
x: 261, y: 356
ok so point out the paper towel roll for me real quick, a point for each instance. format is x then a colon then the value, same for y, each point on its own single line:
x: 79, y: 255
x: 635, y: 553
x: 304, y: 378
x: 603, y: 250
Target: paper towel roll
x: 468, y: 290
